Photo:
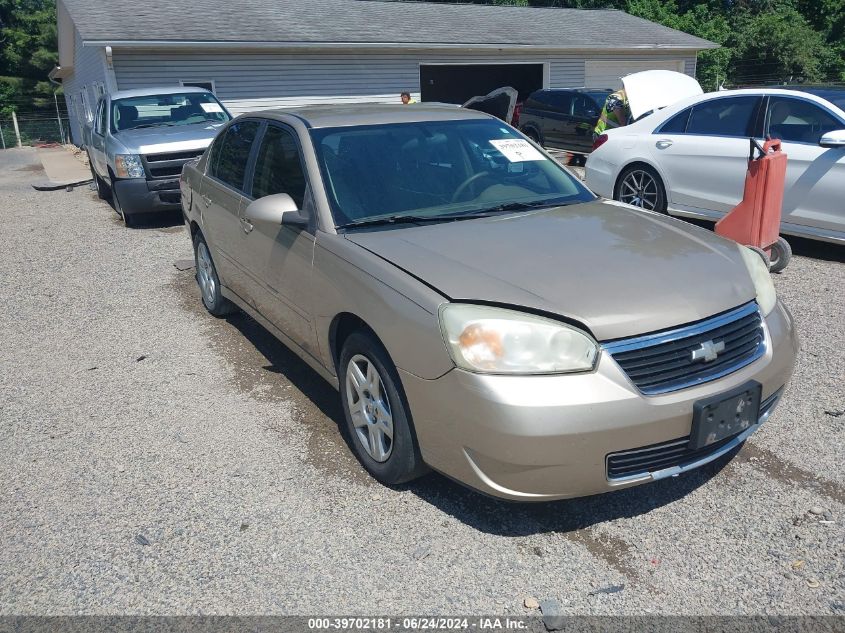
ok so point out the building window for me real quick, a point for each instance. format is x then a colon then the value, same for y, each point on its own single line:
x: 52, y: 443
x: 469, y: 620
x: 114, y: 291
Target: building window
x: 86, y: 107
x: 206, y: 84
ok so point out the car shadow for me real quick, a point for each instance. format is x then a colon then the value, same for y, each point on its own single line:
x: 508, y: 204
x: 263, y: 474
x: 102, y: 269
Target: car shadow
x: 486, y: 514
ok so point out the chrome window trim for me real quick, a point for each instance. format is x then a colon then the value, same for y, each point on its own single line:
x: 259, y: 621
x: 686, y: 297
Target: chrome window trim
x: 700, y: 327
x: 684, y: 331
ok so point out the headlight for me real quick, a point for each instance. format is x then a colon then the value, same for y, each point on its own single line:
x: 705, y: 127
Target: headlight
x: 766, y: 297
x: 499, y: 341
x: 128, y: 166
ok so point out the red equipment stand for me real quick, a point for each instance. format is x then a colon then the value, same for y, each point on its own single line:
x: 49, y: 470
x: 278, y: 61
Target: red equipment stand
x: 755, y: 221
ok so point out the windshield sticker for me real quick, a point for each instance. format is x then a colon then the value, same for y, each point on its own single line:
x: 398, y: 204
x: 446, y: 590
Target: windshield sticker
x: 211, y: 107
x: 517, y: 150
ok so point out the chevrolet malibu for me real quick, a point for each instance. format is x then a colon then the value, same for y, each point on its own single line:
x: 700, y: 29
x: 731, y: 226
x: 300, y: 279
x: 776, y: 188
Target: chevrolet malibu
x: 479, y: 310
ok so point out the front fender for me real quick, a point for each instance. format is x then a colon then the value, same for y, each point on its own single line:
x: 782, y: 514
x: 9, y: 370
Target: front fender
x: 400, y: 309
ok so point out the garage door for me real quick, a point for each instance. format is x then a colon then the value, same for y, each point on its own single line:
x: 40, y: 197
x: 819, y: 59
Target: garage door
x: 606, y: 74
x: 457, y: 83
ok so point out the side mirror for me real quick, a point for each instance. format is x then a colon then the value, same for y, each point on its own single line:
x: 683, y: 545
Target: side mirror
x: 278, y: 209
x: 835, y: 139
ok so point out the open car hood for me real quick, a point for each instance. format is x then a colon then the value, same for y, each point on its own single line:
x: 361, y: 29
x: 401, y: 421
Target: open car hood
x: 654, y: 89
x: 500, y: 103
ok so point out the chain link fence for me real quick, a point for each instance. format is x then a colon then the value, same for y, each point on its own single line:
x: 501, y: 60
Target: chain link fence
x: 34, y: 130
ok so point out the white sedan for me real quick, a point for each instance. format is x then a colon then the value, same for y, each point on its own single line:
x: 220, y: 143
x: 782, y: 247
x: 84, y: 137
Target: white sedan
x: 690, y: 158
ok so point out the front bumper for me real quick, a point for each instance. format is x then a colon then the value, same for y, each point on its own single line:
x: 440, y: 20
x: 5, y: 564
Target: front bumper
x: 139, y: 196
x: 537, y: 438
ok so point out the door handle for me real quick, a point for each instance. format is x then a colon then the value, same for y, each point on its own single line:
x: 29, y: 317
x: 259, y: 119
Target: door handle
x: 206, y: 200
x: 246, y: 225
x: 663, y: 144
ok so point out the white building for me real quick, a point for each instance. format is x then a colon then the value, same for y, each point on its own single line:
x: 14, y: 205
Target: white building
x: 278, y: 53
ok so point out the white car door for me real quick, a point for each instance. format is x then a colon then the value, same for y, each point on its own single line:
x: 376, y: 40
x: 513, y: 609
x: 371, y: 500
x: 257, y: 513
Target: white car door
x: 814, y: 192
x: 703, y: 153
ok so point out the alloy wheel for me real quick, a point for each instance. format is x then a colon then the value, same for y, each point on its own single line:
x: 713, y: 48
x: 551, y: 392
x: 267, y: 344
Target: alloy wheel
x: 205, y: 275
x: 639, y: 189
x: 369, y: 408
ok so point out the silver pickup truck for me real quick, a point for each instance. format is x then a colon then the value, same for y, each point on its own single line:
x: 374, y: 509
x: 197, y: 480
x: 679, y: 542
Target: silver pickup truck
x: 139, y: 140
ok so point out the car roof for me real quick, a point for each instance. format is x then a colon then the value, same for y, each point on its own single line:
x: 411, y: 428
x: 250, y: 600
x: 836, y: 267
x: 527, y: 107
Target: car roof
x: 162, y: 90
x: 581, y: 90
x: 756, y: 92
x: 325, y: 116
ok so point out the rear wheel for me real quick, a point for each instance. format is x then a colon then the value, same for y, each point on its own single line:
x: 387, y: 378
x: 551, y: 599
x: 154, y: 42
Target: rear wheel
x: 377, y: 416
x: 780, y: 255
x: 640, y: 186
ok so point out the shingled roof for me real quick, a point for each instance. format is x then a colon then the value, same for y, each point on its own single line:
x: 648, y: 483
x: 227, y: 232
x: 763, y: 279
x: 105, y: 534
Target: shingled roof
x: 367, y: 23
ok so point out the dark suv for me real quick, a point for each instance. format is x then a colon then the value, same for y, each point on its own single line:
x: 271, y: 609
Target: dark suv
x: 563, y: 119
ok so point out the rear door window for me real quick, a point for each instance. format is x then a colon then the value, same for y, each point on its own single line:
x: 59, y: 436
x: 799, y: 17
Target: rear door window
x: 233, y: 154
x: 584, y: 106
x: 798, y: 121
x: 730, y: 116
x: 278, y: 168
x: 677, y: 124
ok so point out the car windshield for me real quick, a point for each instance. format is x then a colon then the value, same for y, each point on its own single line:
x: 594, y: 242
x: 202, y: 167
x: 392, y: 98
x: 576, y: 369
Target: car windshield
x: 166, y: 110
x: 437, y: 170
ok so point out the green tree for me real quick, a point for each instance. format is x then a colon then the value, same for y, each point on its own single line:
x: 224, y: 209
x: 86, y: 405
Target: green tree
x: 28, y: 50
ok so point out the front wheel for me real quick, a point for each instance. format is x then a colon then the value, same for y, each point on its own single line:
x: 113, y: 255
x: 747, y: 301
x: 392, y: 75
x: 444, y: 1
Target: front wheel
x: 641, y: 186
x: 532, y: 134
x: 103, y: 191
x: 377, y: 416
x: 128, y: 220
x: 208, y: 281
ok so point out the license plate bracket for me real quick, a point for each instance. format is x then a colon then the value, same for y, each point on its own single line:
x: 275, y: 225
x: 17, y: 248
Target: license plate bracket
x: 725, y: 414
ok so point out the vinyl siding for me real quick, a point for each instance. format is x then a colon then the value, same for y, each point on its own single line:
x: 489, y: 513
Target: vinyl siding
x: 89, y: 69
x: 247, y: 81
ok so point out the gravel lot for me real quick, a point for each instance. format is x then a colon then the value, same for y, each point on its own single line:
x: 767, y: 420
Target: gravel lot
x: 156, y: 460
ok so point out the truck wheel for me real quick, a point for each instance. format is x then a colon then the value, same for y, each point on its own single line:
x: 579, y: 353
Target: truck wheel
x: 128, y: 220
x: 103, y: 190
x: 780, y: 255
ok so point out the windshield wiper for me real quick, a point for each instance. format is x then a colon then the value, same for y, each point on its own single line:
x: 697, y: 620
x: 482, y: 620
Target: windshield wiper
x: 518, y: 206
x: 451, y: 217
x: 162, y: 124
x: 400, y: 219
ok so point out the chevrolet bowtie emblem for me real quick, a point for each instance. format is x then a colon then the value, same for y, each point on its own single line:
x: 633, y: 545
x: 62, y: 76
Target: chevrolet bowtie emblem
x: 708, y: 351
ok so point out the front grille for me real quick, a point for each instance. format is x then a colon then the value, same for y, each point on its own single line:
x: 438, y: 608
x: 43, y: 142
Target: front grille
x: 640, y: 462
x: 168, y: 165
x: 662, y: 362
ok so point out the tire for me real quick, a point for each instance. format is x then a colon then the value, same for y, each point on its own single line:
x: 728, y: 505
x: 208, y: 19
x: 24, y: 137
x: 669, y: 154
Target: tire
x: 208, y: 280
x: 641, y: 186
x: 128, y: 220
x: 780, y: 255
x: 375, y: 407
x: 533, y: 135
x: 763, y: 255
x: 104, y: 192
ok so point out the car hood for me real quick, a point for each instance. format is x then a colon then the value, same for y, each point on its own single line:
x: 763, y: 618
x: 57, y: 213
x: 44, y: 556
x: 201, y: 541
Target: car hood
x: 179, y: 138
x: 618, y: 271
x: 654, y: 89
